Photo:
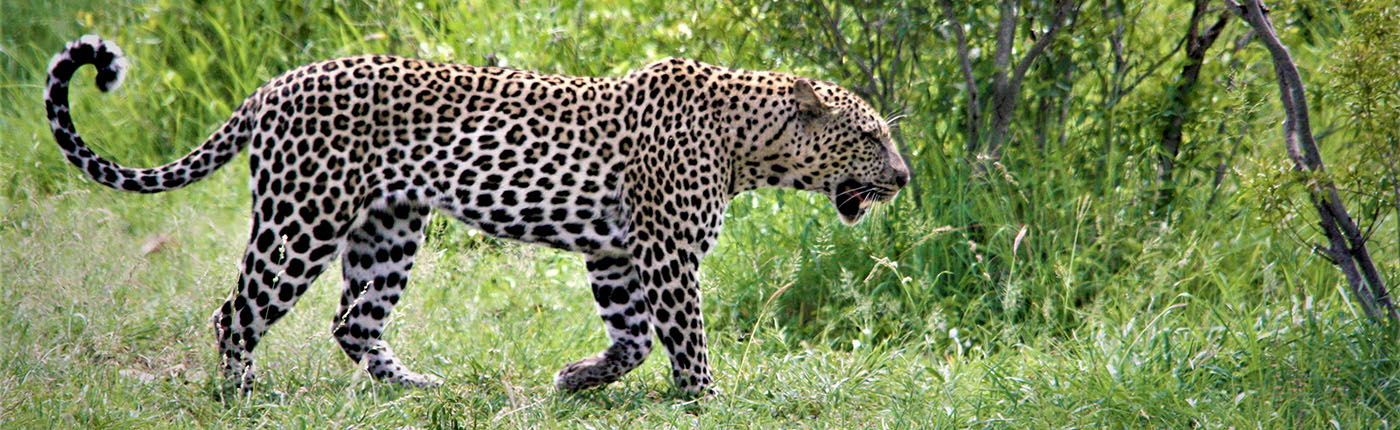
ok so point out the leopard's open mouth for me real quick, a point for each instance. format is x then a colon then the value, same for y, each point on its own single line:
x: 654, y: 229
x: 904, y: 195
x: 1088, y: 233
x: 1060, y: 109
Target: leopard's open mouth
x: 853, y: 198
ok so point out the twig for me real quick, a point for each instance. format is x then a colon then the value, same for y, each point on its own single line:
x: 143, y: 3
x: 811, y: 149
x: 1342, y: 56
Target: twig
x: 1062, y: 11
x: 974, y: 105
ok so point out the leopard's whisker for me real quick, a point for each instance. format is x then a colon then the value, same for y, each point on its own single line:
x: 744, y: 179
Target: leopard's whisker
x: 857, y: 192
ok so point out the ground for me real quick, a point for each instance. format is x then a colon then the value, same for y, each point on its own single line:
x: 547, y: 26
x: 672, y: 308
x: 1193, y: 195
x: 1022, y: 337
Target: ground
x: 109, y: 329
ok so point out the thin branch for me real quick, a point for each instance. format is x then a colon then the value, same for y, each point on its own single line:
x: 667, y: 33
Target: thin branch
x: 833, y: 26
x: 1220, y: 170
x: 1155, y: 65
x: 1062, y: 11
x: 974, y: 104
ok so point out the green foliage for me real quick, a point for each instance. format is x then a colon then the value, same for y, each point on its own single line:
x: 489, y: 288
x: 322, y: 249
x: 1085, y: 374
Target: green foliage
x: 1368, y: 93
x: 1044, y: 292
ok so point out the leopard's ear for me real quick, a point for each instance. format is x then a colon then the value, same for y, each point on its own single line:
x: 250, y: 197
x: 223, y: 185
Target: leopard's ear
x: 807, y: 101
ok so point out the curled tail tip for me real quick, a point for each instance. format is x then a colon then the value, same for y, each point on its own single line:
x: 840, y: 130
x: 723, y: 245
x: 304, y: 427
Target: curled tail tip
x: 111, y: 63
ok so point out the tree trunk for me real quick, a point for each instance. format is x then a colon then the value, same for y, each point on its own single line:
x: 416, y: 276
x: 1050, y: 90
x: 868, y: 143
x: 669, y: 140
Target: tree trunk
x: 1178, y: 105
x: 1347, y: 245
x: 1007, y: 77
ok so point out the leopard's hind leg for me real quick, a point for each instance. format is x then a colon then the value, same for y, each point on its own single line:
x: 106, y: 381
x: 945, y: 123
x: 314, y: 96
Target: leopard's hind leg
x: 623, y: 307
x: 281, y: 261
x: 293, y: 239
x: 378, y: 256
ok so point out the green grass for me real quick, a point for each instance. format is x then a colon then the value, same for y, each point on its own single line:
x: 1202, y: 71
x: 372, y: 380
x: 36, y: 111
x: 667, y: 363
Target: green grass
x: 1036, y: 299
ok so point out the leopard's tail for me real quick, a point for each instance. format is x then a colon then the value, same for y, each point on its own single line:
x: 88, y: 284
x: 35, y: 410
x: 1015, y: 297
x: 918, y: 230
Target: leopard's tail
x: 111, y: 68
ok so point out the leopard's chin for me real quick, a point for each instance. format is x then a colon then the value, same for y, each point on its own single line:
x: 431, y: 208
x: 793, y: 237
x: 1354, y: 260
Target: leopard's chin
x: 852, y: 219
x: 853, y: 198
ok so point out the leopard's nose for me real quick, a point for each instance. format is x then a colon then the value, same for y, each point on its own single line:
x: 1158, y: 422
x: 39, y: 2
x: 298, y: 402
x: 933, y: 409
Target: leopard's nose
x: 898, y: 169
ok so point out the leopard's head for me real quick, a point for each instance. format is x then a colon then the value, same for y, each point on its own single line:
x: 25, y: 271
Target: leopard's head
x: 843, y: 148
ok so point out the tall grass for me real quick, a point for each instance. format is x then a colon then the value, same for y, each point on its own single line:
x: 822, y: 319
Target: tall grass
x: 1037, y: 295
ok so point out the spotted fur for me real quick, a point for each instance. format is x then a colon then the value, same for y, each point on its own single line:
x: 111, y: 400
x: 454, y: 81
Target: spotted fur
x: 348, y: 156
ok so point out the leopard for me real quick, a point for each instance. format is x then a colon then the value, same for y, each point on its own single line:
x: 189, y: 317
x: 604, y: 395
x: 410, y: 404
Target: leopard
x: 348, y: 158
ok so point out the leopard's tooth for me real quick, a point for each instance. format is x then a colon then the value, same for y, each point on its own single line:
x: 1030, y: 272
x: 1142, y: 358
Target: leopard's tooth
x: 866, y: 204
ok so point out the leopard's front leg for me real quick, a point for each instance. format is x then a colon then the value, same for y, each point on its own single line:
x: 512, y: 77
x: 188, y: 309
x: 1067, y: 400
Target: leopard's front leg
x: 672, y: 287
